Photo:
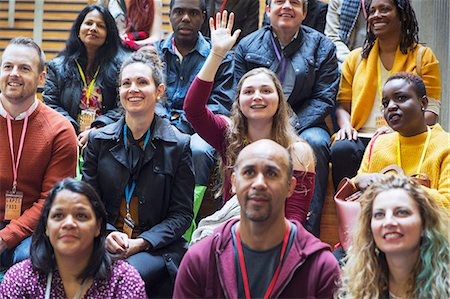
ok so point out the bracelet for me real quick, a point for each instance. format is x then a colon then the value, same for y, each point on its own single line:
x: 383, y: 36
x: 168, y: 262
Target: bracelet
x: 217, y: 54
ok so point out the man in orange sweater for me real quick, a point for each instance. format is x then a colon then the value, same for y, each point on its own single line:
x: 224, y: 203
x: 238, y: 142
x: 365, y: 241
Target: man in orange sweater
x: 39, y: 148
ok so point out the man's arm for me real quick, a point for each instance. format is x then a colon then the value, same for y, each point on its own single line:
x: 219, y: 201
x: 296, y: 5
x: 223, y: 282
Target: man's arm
x: 189, y: 282
x: 323, y: 95
x: 63, y: 164
x: 251, y: 23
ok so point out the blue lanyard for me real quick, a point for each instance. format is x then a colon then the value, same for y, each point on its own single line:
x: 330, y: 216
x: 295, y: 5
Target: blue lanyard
x: 130, y: 189
x: 282, y: 60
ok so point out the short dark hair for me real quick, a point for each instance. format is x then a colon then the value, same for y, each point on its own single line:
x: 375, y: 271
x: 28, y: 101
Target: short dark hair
x: 202, y: 4
x: 29, y: 43
x: 41, y: 251
x: 413, y: 79
x: 108, y: 56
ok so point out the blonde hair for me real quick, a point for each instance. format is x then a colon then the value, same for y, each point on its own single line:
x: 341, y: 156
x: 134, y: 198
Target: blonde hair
x: 365, y: 273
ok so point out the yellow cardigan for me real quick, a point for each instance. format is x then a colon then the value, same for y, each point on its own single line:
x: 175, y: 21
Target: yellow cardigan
x: 358, y: 84
x: 436, y: 163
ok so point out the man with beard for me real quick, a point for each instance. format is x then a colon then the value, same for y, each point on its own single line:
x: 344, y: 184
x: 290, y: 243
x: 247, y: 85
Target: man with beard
x: 39, y: 148
x: 262, y: 254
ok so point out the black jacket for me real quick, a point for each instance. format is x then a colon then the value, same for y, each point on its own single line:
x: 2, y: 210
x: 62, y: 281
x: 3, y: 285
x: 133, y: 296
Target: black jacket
x: 165, y: 186
x: 64, y: 94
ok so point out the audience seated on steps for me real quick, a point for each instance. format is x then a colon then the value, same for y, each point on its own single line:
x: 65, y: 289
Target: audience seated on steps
x: 305, y: 62
x: 142, y: 168
x: 68, y: 257
x: 39, y: 148
x: 387, y: 49
x: 82, y: 81
x: 259, y: 111
x: 139, y: 22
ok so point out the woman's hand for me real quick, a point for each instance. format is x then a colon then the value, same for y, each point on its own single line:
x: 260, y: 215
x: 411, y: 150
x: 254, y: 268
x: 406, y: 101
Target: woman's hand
x: 83, y: 137
x: 363, y: 181
x: 221, y: 39
x: 346, y: 132
x: 117, y: 243
x: 383, y: 130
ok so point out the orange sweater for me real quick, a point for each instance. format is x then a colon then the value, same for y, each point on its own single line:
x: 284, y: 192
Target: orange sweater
x: 49, y: 155
x: 436, y: 163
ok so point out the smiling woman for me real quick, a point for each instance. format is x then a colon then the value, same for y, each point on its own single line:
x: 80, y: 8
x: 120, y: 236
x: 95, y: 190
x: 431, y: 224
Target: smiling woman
x: 391, y: 46
x: 149, y: 205
x: 400, y: 248
x: 68, y: 258
x: 82, y: 81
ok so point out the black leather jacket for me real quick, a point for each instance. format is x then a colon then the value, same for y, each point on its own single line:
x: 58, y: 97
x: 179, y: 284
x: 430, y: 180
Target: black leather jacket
x: 165, y: 186
x: 64, y: 94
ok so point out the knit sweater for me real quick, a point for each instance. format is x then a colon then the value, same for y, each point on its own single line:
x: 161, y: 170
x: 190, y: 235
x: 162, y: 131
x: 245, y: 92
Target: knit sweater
x: 436, y: 163
x: 359, y: 80
x: 49, y: 155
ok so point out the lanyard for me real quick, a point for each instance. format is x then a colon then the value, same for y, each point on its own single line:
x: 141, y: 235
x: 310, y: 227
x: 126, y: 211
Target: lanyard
x: 422, y: 157
x: 282, y: 60
x: 130, y: 189
x: 49, y: 284
x: 15, y: 164
x: 380, y: 85
x: 244, y: 269
x: 91, y: 85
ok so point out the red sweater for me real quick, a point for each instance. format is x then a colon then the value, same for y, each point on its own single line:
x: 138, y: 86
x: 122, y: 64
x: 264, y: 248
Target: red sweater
x: 49, y: 155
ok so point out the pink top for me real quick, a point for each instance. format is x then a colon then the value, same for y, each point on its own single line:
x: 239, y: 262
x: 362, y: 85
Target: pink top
x: 22, y: 281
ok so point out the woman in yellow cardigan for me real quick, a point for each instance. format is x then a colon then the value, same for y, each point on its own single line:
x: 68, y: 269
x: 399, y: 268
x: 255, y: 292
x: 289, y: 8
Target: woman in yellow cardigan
x: 391, y: 46
x: 414, y: 146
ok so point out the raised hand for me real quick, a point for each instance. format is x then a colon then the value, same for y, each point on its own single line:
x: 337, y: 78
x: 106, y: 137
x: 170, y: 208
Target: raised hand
x: 221, y: 38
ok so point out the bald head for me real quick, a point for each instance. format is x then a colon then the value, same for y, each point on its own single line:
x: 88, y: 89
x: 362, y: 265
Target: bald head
x: 264, y: 148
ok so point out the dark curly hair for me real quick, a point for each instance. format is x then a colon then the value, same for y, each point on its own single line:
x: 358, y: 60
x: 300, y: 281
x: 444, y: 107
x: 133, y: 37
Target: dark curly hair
x: 409, y: 37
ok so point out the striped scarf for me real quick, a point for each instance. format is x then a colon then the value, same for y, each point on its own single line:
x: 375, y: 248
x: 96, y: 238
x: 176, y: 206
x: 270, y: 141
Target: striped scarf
x: 349, y: 16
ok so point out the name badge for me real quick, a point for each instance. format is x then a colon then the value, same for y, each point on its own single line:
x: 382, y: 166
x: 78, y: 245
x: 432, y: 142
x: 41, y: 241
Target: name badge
x: 380, y: 121
x: 13, y: 205
x: 86, y: 118
x: 128, y: 226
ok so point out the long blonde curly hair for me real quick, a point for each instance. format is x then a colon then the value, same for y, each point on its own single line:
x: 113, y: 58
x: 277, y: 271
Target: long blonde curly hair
x: 365, y: 273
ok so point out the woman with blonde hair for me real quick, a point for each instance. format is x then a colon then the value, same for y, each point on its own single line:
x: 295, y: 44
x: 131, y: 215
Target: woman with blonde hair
x: 260, y: 111
x: 400, y: 248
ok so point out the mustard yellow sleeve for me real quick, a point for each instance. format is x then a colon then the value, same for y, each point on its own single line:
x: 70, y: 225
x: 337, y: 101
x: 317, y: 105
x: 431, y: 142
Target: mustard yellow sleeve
x: 348, y: 72
x: 442, y: 193
x: 431, y: 74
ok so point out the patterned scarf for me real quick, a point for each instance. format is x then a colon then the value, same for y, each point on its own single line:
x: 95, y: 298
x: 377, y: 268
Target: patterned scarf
x: 349, y: 16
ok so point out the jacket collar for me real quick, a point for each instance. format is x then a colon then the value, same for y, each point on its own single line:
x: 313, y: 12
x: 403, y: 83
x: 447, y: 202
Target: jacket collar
x: 162, y: 130
x: 203, y: 47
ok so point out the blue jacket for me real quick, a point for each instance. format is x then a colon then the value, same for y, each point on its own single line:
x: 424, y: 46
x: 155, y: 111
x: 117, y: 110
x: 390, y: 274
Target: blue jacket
x: 315, y: 66
x: 179, y: 77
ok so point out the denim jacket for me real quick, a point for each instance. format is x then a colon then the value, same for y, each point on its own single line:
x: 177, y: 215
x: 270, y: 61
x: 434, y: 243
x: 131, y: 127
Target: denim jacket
x: 179, y: 77
x: 315, y: 67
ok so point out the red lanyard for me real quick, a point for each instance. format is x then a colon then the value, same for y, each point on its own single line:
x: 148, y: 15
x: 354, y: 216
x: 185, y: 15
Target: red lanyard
x: 15, y: 164
x: 223, y: 7
x: 244, y: 269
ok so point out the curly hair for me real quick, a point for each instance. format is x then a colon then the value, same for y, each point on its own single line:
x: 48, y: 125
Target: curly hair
x: 366, y: 271
x: 409, y: 36
x: 237, y: 134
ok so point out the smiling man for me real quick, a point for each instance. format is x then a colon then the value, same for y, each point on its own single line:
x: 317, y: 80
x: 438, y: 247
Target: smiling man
x: 305, y: 62
x: 262, y: 255
x: 39, y: 148
x: 184, y: 52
